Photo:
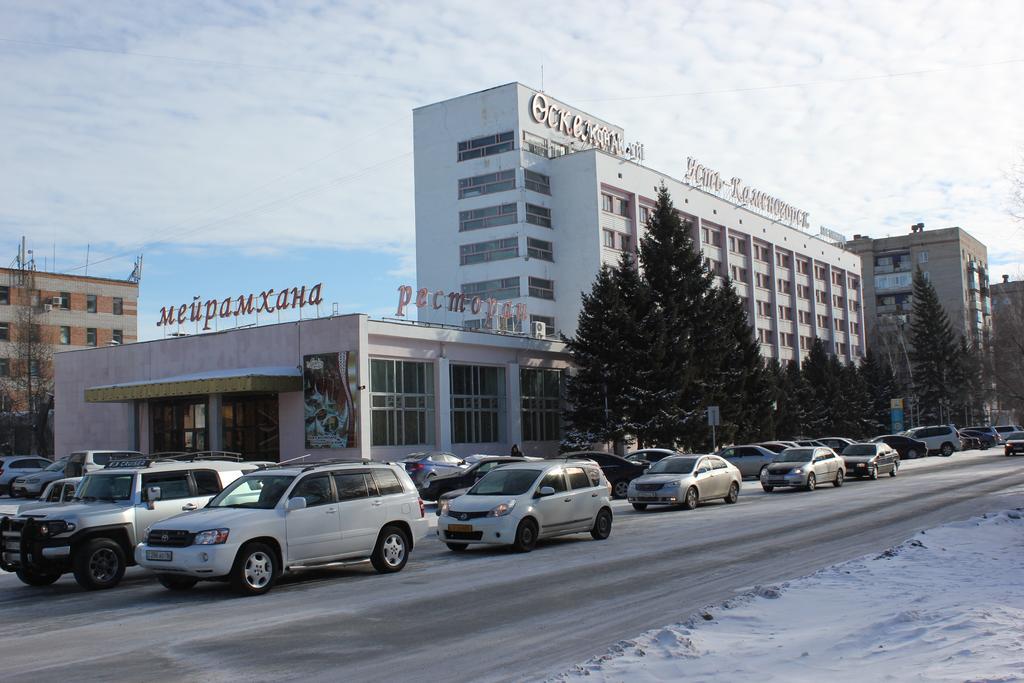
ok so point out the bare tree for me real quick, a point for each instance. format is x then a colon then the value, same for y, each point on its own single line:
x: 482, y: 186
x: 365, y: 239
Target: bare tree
x: 1008, y: 350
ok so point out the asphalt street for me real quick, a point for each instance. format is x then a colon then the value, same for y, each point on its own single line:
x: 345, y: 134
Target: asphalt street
x: 487, y: 614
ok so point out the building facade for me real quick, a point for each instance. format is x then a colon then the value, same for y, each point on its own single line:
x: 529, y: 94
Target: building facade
x: 520, y: 199
x: 338, y: 387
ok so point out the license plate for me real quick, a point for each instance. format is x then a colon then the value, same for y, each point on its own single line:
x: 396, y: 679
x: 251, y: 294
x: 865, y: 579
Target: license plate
x: 646, y: 495
x: 461, y: 528
x: 159, y: 555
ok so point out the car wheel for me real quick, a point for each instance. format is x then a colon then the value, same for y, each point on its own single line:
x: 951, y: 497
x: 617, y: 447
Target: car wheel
x: 526, y: 536
x: 840, y: 476
x: 811, y: 482
x: 640, y: 507
x: 254, y: 572
x: 734, y: 493
x: 873, y: 473
x: 895, y: 468
x: 690, y: 499
x: 947, y: 449
x: 767, y: 489
x: 34, y: 578
x: 176, y: 583
x: 457, y: 547
x: 621, y: 489
x: 602, y: 528
x: 99, y: 564
x: 912, y: 454
x: 392, y: 550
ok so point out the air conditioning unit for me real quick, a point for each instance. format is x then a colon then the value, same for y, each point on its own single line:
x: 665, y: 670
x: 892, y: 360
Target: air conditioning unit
x: 540, y: 329
x: 47, y: 307
x: 55, y: 301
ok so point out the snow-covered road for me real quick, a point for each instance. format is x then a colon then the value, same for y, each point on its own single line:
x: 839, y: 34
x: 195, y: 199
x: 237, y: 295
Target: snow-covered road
x: 487, y: 614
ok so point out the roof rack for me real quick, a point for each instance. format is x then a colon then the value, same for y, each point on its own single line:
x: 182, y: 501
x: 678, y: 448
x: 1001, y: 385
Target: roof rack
x: 290, y: 462
x: 335, y: 461
x: 139, y: 461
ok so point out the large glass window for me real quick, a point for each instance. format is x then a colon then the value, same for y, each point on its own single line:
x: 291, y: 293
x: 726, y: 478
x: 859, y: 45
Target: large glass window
x: 487, y: 184
x: 540, y: 249
x: 250, y: 425
x: 477, y: 404
x: 541, y: 395
x: 486, y: 146
x: 541, y: 288
x: 492, y: 250
x: 505, y: 288
x: 488, y: 217
x: 538, y: 215
x: 402, y: 402
x: 538, y: 182
x: 179, y: 425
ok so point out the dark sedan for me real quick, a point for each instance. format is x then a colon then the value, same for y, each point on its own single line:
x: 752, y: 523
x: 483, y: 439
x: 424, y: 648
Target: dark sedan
x: 617, y: 470
x: 870, y: 460
x: 464, y: 479
x: 907, y: 448
x: 650, y: 455
x: 1014, y: 443
x: 987, y: 439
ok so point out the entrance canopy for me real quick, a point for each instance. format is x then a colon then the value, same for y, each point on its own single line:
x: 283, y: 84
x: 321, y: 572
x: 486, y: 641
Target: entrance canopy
x: 238, y: 380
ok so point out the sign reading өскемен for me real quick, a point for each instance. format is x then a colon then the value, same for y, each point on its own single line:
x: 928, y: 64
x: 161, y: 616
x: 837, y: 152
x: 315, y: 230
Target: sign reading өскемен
x: 457, y: 302
x: 570, y: 123
x: 267, y: 301
x: 709, y: 179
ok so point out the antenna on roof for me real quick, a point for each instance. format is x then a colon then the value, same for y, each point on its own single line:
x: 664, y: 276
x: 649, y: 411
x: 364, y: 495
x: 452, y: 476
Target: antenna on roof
x: 542, y: 76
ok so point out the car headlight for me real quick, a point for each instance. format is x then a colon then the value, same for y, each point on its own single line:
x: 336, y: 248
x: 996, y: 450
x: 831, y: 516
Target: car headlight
x: 211, y: 537
x: 798, y: 470
x: 55, y: 527
x: 502, y: 509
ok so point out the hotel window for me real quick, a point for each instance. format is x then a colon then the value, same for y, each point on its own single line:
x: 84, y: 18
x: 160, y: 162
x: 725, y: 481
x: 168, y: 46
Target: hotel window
x: 539, y: 249
x: 820, y: 296
x: 764, y: 309
x: 65, y: 301
x: 838, y: 301
x: 118, y: 306
x: 606, y: 203
x: 538, y: 182
x: 737, y: 245
x: 785, y: 313
x: 117, y: 336
x: 5, y: 331
x: 538, y: 215
x: 739, y: 274
x: 486, y: 146
x: 819, y: 272
x: 854, y: 305
x: 505, y: 288
x: 802, y: 266
x: 541, y: 392
x: 487, y: 183
x: 477, y: 404
x: 762, y: 280
x: 803, y: 291
x: 541, y: 289
x: 784, y: 286
x: 549, y: 323
x: 761, y: 253
x: 402, y: 402
x: 622, y: 206
x: 492, y: 250
x: 822, y: 320
x: 854, y: 283
x: 535, y: 144
x: 781, y: 259
x: 764, y: 336
x: 712, y: 237
x: 785, y: 339
x: 645, y: 214
x: 804, y: 317
x: 5, y: 295
x: 806, y: 343
x: 625, y: 242
x: 922, y: 257
x: 488, y: 217
x: 65, y: 335
x: 90, y: 336
x: 838, y: 324
x: 557, y: 149
x: 855, y: 327
x: 842, y: 348
x: 90, y: 303
x: 608, y: 238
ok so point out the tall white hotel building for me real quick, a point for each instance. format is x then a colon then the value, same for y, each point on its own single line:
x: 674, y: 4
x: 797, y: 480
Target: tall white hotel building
x: 520, y: 198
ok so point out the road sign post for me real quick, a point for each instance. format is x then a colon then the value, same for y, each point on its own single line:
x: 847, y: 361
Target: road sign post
x: 714, y: 419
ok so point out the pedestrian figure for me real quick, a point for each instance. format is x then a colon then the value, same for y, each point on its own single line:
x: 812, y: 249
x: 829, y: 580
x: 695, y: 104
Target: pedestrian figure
x: 516, y: 453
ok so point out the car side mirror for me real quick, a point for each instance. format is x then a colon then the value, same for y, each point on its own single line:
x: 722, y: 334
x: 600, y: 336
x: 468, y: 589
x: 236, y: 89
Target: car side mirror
x: 546, y: 491
x: 296, y: 503
x: 152, y: 496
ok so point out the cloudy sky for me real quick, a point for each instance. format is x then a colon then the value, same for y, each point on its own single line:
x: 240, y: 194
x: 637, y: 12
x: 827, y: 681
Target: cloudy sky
x: 245, y: 145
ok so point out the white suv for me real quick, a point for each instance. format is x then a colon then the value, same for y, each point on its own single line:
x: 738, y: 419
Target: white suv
x: 942, y: 439
x: 519, y: 503
x: 285, y: 518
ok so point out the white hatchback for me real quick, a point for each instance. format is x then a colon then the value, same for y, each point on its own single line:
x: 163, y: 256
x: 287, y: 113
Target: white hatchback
x: 519, y: 503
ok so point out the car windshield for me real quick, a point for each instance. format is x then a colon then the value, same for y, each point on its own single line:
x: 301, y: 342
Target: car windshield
x: 110, y: 487
x: 1014, y: 435
x: 505, y: 482
x: 56, y: 467
x: 859, y: 449
x: 795, y: 455
x: 259, y: 491
x: 673, y: 466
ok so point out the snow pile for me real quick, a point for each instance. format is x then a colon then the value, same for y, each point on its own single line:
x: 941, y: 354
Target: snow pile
x: 946, y: 605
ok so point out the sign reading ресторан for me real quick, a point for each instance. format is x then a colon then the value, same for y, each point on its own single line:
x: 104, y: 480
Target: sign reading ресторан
x: 587, y: 131
x: 267, y: 301
x: 457, y: 302
x: 709, y: 179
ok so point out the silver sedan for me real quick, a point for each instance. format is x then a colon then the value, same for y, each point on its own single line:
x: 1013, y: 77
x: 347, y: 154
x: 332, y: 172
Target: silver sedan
x: 685, y: 480
x: 804, y: 468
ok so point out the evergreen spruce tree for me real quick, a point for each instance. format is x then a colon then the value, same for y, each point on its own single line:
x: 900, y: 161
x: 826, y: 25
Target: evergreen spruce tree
x: 853, y: 418
x: 933, y: 356
x: 880, y: 384
x: 969, y: 383
x: 821, y: 375
x: 792, y: 398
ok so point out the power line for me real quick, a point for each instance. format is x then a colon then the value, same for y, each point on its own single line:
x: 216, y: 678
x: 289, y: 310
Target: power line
x: 803, y: 84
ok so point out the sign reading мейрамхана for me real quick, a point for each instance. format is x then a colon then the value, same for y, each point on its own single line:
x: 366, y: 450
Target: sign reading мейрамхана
x: 267, y: 301
x: 709, y: 179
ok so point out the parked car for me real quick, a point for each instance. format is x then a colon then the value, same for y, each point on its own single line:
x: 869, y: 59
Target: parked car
x: 284, y: 518
x: 749, y: 459
x: 650, y: 455
x: 95, y: 536
x: 616, y: 469
x: 836, y: 443
x: 908, y: 448
x: 1014, y: 443
x: 14, y: 466
x: 804, y: 468
x: 990, y: 430
x: 777, y: 446
x: 32, y: 485
x: 870, y: 460
x: 941, y: 439
x: 1003, y: 430
x: 813, y: 443
x: 969, y: 441
x: 463, y: 479
x: 83, y: 462
x: 987, y: 439
x: 477, y: 457
x: 56, y: 493
x: 421, y: 467
x: 519, y: 503
x: 686, y: 480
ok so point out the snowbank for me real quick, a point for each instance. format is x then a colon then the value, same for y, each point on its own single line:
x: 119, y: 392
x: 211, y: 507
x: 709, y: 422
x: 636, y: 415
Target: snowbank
x: 946, y: 605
